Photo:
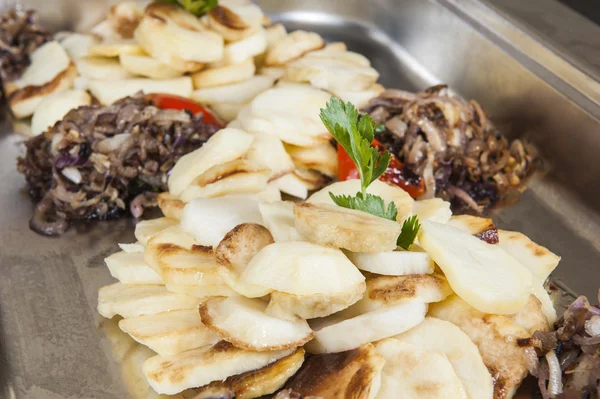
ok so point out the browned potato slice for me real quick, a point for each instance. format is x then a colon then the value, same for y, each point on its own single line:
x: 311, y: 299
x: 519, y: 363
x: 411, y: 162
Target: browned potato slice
x: 354, y: 374
x: 124, y: 18
x: 115, y: 48
x: 231, y: 24
x: 252, y: 384
x: 147, y: 229
x: 171, y: 206
x: 345, y: 228
x: 293, y: 46
x: 322, y: 158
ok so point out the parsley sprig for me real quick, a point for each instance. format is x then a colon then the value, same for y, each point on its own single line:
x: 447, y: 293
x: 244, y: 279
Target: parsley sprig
x: 355, y: 134
x: 196, y: 7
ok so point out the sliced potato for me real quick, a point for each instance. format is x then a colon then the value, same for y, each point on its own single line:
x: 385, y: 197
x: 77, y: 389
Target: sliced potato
x: 177, y: 38
x: 396, y: 263
x: 339, y: 52
x: 292, y: 185
x: 389, y: 193
x: 311, y: 179
x: 275, y: 73
x: 76, y: 44
x: 252, y: 384
x: 221, y: 214
x: 369, y: 327
x: 293, y: 46
x: 417, y: 373
x: 202, y: 291
x: 244, y: 323
x: 136, y: 300
x: 239, y: 93
x: 249, y: 47
x: 268, y: 150
x: 353, y: 374
x: 358, y: 98
x: 434, y: 209
x: 302, y: 268
x: 482, y: 274
x: 269, y: 194
x: 124, y: 18
x: 135, y: 248
x: 107, y: 92
x: 171, y: 206
x: 496, y: 338
x: 531, y: 317
x: 146, y: 229
x: 345, y: 228
x: 114, y: 48
x: 275, y: 33
x: 225, y: 75
x: 55, y: 106
x: 146, y: 66
x: 100, y: 68
x: 539, y: 260
x: 334, y: 46
x: 290, y: 307
x: 169, y: 333
x: 232, y: 178
x: 441, y: 336
x: 131, y: 268
x: 224, y: 146
x: 235, y: 23
x: 198, y: 367
x: 234, y: 253
x: 472, y: 224
x: 278, y: 217
x: 322, y: 158
x: 227, y: 111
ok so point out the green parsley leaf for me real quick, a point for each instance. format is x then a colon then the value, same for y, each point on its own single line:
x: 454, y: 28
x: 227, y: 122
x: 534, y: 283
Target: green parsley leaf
x: 355, y: 135
x: 196, y: 7
x: 410, y: 229
x: 367, y: 203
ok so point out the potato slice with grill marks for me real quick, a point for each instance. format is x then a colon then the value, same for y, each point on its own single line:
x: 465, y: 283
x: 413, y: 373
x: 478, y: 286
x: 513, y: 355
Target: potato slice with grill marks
x: 354, y: 374
x: 234, y: 253
x: 170, y: 205
x: 251, y: 384
x: 539, y: 260
x: 321, y: 158
x: 131, y: 268
x: 235, y: 23
x: 345, y: 228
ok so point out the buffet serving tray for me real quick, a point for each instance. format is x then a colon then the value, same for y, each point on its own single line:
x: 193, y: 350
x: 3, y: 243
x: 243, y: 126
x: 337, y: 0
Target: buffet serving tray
x: 54, y: 345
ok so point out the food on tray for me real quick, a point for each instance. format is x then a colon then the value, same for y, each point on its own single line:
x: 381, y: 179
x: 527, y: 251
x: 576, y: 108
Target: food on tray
x: 451, y: 148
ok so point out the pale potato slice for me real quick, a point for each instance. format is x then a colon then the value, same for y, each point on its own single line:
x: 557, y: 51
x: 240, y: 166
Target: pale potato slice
x: 50, y: 71
x: 135, y: 248
x: 441, y: 336
x: 146, y: 66
x: 104, y: 31
x: 311, y: 179
x: 107, y: 92
x: 472, y: 224
x: 232, y: 178
x: 240, y: 93
x: 269, y: 194
x: 339, y: 52
x: 275, y: 33
x: 291, y: 113
x: 322, y: 158
x: 169, y: 333
x: 227, y: 111
x: 396, y: 263
x: 531, y: 317
x: 235, y: 23
x: 76, y: 44
x: 417, y: 373
x: 244, y: 323
x: 275, y: 73
x: 234, y: 253
x: 55, y: 106
x: 334, y: 47
x: 278, y: 217
x: 252, y: 384
x: 385, y: 291
x: 358, y: 98
x: 136, y: 300
x: 369, y: 327
x: 221, y: 214
x: 496, y: 338
x: 290, y: 307
x: 171, y: 206
x: 345, y: 228
x: 389, y: 193
x: 329, y: 73
x: 224, y: 146
x: 539, y: 260
x: 293, y: 46
x: 198, y: 367
x: 202, y: 291
x: 482, y: 274
x: 268, y: 150
x: 124, y: 18
x: 434, y: 209
x: 225, y: 75
x: 302, y: 268
x: 177, y: 38
x: 131, y: 268
x: 146, y: 229
x: 100, y: 68
x: 114, y: 48
x: 292, y: 185
x: 249, y: 47
x: 353, y: 374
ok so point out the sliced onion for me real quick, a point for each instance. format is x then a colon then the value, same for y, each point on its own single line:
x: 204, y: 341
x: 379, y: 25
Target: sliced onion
x: 72, y: 174
x: 555, y: 386
x: 592, y: 326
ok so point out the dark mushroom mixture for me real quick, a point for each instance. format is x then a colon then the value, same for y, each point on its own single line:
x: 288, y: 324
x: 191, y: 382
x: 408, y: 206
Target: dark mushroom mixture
x: 453, y: 147
x: 104, y: 162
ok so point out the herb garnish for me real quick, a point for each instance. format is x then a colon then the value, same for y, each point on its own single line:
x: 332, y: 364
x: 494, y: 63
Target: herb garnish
x: 355, y: 134
x: 196, y: 7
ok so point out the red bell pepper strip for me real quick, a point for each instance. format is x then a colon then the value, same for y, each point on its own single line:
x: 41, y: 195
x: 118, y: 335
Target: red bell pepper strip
x: 170, y: 101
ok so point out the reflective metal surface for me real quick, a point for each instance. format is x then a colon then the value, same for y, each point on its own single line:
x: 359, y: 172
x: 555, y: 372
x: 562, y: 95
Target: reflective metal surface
x: 54, y: 345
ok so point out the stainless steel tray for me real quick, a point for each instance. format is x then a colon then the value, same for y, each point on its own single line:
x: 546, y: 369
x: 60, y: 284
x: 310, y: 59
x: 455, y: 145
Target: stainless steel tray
x: 54, y: 345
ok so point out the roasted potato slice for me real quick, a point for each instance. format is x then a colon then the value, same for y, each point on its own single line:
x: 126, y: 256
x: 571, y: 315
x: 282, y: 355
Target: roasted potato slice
x: 225, y: 75
x: 395, y: 263
x: 124, y: 18
x: 171, y: 206
x: 76, y: 44
x: 250, y: 47
x: 268, y: 150
x: 55, y: 106
x: 202, y: 291
x: 322, y: 158
x: 358, y: 98
x: 235, y: 23
x: 434, y: 209
x: 101, y: 68
x: 114, y: 48
x: 239, y: 92
x: 278, y: 217
x: 293, y: 46
x: 227, y: 111
x: 147, y: 66
x: 146, y: 229
x: 131, y: 268
x: 107, y: 92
